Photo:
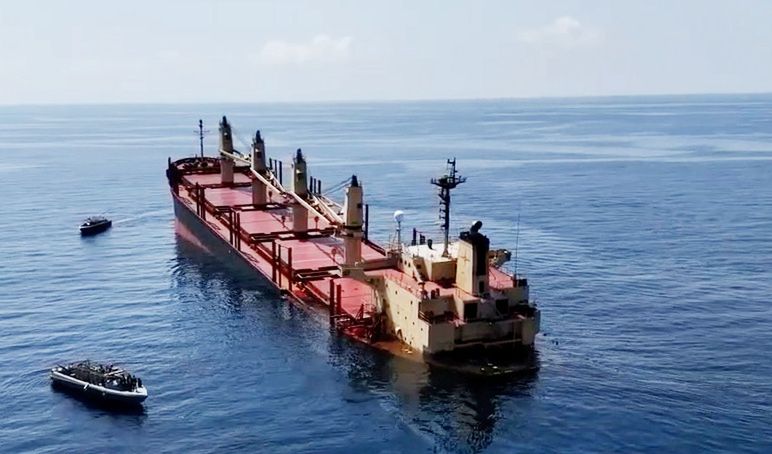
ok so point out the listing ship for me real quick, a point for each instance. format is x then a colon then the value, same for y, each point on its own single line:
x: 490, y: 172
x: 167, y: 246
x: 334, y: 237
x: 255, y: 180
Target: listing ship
x: 450, y: 304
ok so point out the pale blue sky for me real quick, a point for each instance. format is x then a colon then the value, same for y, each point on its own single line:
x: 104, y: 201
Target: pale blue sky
x: 245, y: 51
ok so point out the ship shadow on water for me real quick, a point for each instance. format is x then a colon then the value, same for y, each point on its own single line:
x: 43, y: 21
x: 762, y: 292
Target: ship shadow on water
x: 200, y: 265
x: 218, y: 284
x: 193, y: 255
x: 450, y: 409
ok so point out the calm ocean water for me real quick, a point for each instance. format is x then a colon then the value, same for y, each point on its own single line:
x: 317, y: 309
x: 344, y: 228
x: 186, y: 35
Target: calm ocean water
x: 645, y: 230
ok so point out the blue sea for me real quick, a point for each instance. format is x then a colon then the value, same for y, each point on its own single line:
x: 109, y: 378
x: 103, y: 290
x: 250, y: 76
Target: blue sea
x: 644, y: 226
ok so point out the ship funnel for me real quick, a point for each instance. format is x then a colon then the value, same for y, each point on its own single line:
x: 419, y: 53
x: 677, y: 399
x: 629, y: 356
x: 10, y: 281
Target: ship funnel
x: 473, y: 262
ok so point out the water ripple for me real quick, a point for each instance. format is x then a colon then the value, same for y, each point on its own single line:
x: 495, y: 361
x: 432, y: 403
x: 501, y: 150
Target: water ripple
x: 643, y: 228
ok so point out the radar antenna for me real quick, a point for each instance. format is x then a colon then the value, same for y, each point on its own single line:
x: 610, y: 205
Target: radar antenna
x: 446, y: 183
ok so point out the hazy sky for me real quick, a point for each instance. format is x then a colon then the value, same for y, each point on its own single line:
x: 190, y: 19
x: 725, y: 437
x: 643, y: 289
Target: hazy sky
x: 230, y: 50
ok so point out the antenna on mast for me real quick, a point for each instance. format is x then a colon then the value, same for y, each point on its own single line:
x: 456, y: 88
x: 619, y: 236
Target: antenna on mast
x: 517, y: 239
x: 446, y: 183
x: 399, y: 216
x: 201, y: 134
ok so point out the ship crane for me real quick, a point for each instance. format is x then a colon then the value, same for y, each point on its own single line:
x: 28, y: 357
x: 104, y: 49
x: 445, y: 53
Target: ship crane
x: 316, y: 206
x: 322, y: 208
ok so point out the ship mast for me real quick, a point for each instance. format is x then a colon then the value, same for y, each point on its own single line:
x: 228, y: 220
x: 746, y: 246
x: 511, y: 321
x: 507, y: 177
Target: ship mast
x: 447, y: 182
x: 201, y: 134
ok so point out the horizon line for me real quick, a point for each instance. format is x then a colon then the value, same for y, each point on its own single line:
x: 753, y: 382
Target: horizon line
x: 389, y: 101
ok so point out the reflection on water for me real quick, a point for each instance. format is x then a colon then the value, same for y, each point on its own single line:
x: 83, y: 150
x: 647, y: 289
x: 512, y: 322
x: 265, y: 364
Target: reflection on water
x: 469, y: 406
x: 452, y: 410
x: 197, y: 263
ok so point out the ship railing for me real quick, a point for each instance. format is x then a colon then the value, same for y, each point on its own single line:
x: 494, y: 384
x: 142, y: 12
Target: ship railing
x: 197, y: 165
x: 515, y: 283
x: 432, y: 318
x: 405, y: 285
x: 305, y: 275
x: 327, y: 208
x: 363, y: 314
x: 375, y: 246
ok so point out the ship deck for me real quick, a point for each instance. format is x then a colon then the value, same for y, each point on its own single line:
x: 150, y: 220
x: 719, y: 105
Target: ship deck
x: 264, y: 235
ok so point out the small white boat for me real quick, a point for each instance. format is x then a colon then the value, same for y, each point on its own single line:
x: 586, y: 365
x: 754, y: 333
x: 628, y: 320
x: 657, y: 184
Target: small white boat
x: 101, y: 382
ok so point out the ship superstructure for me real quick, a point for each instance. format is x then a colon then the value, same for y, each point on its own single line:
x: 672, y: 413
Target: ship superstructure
x: 418, y: 299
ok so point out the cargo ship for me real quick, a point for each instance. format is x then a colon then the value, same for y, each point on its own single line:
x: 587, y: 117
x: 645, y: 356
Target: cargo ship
x: 448, y: 303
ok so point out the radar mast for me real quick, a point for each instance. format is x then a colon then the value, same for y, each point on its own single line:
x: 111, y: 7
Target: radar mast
x: 446, y: 183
